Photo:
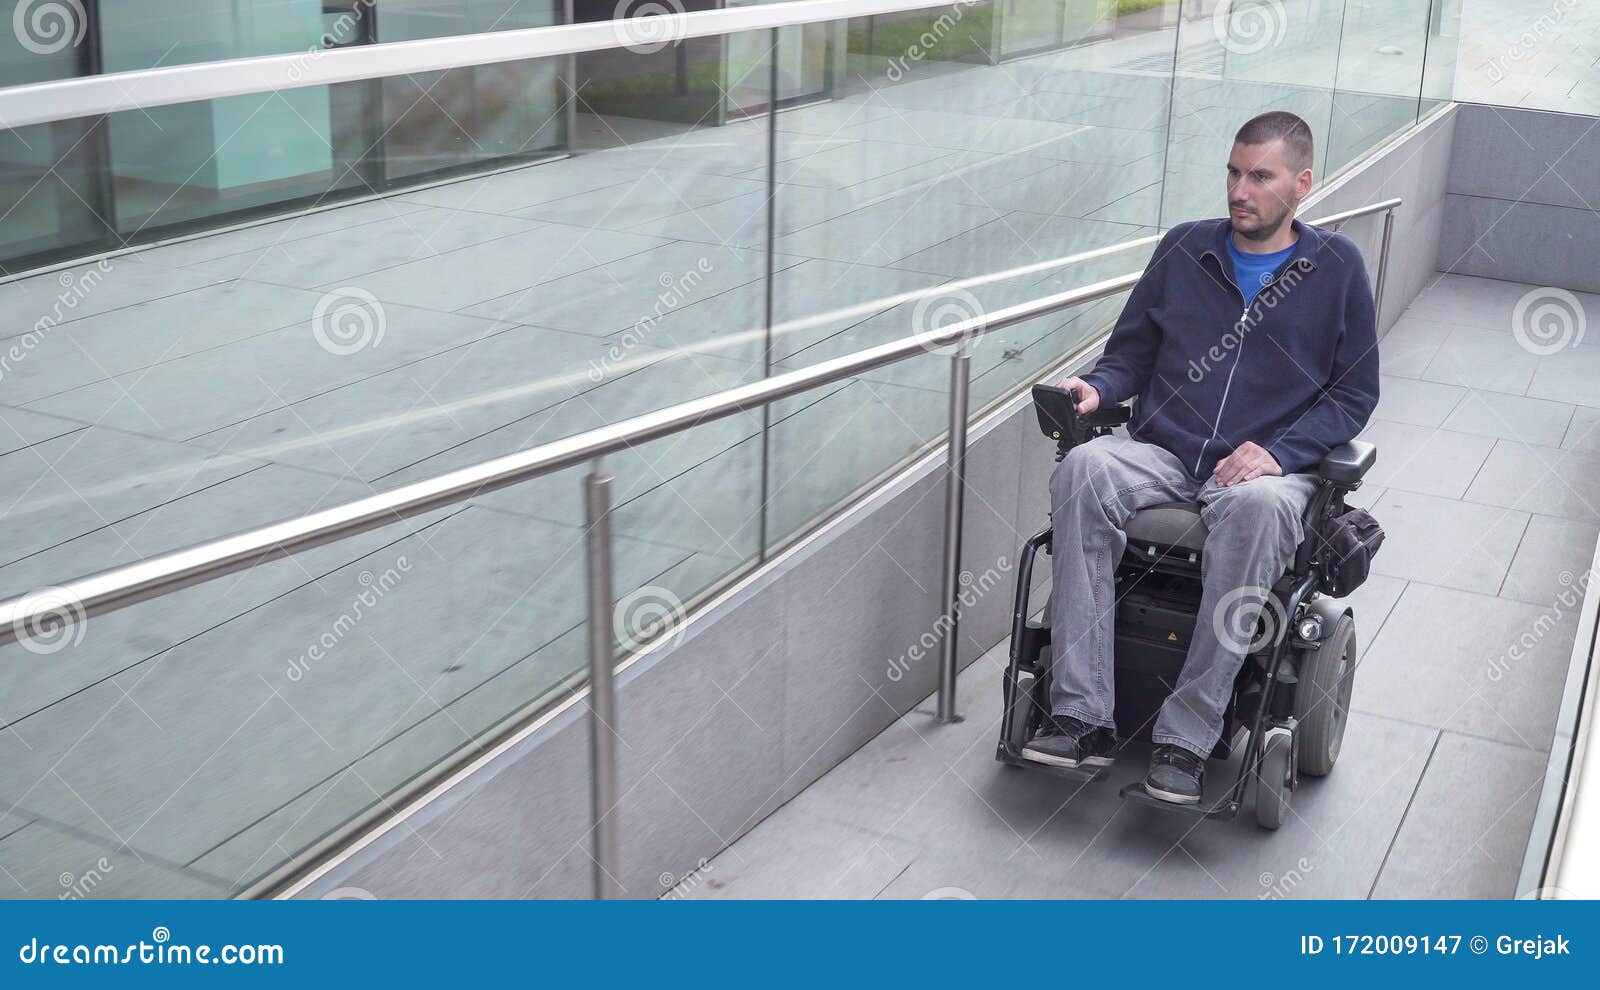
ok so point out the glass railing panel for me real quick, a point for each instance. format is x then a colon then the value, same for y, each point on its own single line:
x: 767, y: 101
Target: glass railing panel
x: 141, y: 176
x: 1443, y: 47
x: 184, y: 392
x: 1380, y: 76
x: 928, y: 166
x: 50, y: 183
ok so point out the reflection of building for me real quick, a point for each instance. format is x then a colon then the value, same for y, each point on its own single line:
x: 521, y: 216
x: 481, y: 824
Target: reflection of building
x: 175, y: 167
x: 81, y: 186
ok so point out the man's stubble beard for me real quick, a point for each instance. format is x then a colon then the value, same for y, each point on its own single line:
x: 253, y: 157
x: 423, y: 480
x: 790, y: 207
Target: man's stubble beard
x: 1263, y: 232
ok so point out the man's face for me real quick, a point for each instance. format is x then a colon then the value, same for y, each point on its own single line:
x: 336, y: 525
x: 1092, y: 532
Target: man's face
x: 1263, y: 189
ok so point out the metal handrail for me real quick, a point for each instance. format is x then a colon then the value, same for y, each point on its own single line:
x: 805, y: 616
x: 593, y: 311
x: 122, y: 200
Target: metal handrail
x: 128, y: 584
x: 77, y: 600
x: 144, y: 89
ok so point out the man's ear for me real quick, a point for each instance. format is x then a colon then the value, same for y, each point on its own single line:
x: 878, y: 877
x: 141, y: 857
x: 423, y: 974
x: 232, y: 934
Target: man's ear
x: 1303, y: 183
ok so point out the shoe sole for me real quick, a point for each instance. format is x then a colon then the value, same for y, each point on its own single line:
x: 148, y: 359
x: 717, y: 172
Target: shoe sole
x: 1171, y: 797
x: 1062, y: 761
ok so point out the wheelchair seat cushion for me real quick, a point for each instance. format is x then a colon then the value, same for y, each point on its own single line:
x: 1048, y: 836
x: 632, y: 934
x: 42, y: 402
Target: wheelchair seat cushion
x: 1175, y: 524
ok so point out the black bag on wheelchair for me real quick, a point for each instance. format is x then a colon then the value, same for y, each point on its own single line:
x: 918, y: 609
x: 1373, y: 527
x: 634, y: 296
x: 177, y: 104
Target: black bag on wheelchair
x: 1350, y: 540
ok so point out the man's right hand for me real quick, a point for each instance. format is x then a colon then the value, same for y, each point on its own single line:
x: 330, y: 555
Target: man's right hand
x: 1088, y: 396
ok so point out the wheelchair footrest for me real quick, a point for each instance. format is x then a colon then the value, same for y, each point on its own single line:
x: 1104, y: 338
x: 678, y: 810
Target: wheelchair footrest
x: 1224, y: 809
x: 1081, y: 775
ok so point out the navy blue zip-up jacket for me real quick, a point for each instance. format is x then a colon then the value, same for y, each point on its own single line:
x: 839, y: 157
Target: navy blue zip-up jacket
x: 1296, y: 372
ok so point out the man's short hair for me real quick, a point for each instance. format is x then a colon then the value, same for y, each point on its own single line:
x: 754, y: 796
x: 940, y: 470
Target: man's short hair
x: 1281, y: 125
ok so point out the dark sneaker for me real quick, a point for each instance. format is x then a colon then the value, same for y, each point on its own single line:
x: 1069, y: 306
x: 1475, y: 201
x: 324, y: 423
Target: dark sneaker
x: 1176, y: 775
x: 1064, y: 741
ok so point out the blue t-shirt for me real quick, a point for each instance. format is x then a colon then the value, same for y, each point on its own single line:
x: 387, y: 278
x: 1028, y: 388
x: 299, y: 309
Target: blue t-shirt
x: 1253, y: 271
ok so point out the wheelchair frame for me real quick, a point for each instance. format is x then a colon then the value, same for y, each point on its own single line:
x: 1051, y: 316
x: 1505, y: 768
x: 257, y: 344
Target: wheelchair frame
x: 1268, y: 714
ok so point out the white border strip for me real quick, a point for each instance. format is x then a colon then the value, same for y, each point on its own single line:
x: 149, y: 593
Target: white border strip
x: 90, y: 96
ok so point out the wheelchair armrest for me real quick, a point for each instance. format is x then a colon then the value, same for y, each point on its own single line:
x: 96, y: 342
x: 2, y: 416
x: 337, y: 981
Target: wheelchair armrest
x: 1348, y: 462
x: 1107, y: 417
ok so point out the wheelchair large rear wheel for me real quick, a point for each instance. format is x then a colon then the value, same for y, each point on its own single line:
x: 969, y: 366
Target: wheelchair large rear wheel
x: 1322, y: 701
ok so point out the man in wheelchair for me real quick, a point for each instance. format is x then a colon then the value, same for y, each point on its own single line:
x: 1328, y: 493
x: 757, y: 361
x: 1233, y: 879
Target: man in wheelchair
x: 1251, y: 346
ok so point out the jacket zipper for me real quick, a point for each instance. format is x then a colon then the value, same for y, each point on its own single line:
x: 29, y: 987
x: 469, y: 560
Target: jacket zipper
x: 1237, y: 357
x: 1225, y: 387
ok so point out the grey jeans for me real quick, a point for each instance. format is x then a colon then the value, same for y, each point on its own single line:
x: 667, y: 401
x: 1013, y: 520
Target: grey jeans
x: 1253, y: 528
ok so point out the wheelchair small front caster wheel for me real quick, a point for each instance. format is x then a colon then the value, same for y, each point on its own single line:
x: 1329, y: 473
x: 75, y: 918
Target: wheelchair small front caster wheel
x: 1275, y: 778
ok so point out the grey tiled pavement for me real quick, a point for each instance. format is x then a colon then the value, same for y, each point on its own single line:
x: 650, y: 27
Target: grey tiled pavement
x: 1491, y: 500
x: 181, y: 393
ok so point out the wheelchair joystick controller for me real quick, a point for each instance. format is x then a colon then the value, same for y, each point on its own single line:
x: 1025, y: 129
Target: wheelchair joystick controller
x: 1060, y: 420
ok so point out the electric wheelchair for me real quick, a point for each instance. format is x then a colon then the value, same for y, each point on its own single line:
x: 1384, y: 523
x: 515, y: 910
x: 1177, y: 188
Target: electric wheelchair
x: 1292, y: 693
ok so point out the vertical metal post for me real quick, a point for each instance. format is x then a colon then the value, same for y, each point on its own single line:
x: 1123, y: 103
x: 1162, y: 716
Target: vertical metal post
x: 1383, y: 268
x: 954, y: 495
x: 569, y: 77
x: 602, y: 693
